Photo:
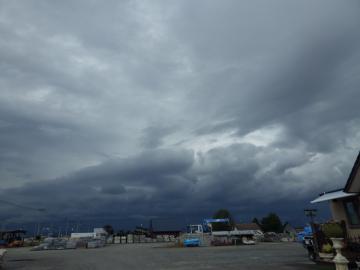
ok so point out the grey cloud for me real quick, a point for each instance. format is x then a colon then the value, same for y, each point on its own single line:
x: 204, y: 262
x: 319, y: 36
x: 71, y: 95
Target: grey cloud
x: 165, y: 186
x: 170, y: 109
x: 154, y: 135
x: 113, y: 190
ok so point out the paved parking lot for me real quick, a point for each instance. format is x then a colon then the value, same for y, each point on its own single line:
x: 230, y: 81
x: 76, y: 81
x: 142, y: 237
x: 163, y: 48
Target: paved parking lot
x: 156, y: 256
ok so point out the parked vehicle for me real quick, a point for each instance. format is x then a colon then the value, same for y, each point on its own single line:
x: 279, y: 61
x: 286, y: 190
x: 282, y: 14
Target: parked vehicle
x: 203, y: 234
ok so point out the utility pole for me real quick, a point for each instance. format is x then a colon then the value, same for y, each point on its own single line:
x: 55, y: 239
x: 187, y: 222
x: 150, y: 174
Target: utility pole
x: 38, y: 229
x: 310, y: 213
x: 67, y: 227
x: 77, y: 226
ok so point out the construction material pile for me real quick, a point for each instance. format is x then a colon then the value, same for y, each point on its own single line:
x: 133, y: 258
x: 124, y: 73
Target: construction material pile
x: 55, y: 244
x: 61, y: 243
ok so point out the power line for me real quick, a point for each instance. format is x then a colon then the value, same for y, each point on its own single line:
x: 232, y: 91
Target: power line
x: 22, y: 206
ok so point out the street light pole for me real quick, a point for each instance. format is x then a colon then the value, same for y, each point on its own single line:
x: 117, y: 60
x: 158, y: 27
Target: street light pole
x: 310, y: 213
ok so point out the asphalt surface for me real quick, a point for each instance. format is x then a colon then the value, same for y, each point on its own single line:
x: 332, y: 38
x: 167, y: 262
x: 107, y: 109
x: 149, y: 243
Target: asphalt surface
x: 281, y: 256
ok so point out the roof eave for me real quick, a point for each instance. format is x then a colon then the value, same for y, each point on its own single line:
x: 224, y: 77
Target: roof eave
x: 352, y: 175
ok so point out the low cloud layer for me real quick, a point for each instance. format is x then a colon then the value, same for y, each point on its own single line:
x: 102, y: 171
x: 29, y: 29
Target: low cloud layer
x: 146, y: 110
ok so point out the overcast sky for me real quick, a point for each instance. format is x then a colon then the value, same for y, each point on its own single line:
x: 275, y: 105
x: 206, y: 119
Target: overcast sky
x: 145, y: 109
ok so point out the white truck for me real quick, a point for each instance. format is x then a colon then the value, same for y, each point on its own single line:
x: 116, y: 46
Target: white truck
x: 202, y: 234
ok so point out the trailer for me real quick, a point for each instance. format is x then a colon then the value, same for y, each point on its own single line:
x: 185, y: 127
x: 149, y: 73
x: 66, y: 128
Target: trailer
x: 203, y: 235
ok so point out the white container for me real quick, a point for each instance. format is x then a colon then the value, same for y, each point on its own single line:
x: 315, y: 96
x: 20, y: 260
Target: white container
x: 70, y: 244
x: 117, y: 240
x: 109, y: 240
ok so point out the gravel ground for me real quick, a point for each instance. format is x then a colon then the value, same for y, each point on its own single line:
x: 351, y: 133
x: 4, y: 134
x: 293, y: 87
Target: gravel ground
x: 279, y: 256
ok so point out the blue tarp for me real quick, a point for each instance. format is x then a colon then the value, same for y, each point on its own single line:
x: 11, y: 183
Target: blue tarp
x: 193, y: 242
x: 306, y: 232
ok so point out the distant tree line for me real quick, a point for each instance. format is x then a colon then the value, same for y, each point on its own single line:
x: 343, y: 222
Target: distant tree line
x: 226, y: 226
x: 269, y: 223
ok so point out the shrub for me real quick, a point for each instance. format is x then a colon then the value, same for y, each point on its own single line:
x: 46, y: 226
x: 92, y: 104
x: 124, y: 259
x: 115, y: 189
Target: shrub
x: 327, y: 248
x: 333, y: 230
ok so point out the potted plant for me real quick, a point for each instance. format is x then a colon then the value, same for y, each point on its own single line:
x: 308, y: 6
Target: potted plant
x: 335, y: 232
x: 326, y: 252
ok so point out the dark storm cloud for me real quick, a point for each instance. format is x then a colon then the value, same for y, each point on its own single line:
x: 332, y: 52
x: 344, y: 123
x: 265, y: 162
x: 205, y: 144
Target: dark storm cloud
x: 168, y: 182
x: 152, y: 178
x: 176, y: 109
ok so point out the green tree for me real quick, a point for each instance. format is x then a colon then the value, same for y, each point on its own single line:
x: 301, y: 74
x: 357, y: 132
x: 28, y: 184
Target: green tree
x: 256, y: 221
x: 223, y: 226
x: 272, y: 223
x: 109, y: 229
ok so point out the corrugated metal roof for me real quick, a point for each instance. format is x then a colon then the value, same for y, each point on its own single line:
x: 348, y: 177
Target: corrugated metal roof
x: 247, y: 226
x: 332, y: 196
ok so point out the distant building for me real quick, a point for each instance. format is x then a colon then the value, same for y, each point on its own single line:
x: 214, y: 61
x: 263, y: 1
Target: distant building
x: 141, y: 230
x: 288, y: 229
x: 97, y: 233
x: 249, y: 228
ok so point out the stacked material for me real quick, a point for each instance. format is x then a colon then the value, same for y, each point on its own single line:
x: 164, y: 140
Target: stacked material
x: 117, y: 240
x: 110, y: 240
x: 159, y: 238
x: 130, y: 239
x: 82, y: 243
x: 60, y: 243
x: 71, y: 244
x: 166, y: 238
x: 136, y: 238
x: 51, y: 243
x: 30, y: 242
x: 96, y: 243
x: 123, y: 239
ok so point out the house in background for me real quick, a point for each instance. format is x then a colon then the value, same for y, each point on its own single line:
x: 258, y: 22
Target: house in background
x: 250, y: 229
x: 345, y: 203
x: 290, y: 230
